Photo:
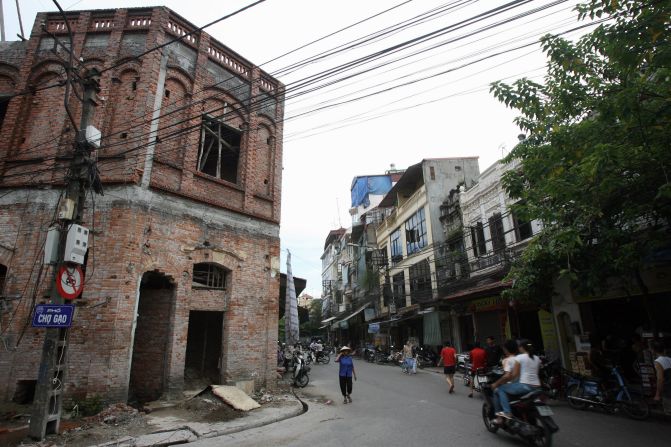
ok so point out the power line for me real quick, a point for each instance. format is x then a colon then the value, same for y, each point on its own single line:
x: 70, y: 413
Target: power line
x: 251, y: 109
x: 183, y: 36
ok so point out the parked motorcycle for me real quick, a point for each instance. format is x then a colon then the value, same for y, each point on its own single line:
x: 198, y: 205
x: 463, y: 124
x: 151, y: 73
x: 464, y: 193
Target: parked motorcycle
x: 426, y: 357
x: 463, y: 362
x: 583, y: 392
x: 532, y: 419
x: 301, y: 370
x: 322, y: 357
x: 553, y: 378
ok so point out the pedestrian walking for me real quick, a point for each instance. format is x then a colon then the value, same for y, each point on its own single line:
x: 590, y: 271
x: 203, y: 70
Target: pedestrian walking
x: 346, y: 374
x: 478, y: 361
x: 408, y: 358
x: 663, y: 372
x: 448, y: 357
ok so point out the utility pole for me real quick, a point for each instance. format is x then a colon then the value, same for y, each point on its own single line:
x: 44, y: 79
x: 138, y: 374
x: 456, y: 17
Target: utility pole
x: 47, y: 403
x: 2, y: 23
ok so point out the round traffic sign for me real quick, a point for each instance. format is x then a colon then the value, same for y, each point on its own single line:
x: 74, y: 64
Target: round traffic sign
x: 70, y: 281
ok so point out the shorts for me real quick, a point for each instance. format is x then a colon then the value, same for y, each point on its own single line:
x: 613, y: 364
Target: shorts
x: 449, y: 369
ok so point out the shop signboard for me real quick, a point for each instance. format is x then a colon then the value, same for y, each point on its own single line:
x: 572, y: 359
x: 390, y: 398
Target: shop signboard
x: 373, y: 328
x: 369, y: 314
x: 548, y: 332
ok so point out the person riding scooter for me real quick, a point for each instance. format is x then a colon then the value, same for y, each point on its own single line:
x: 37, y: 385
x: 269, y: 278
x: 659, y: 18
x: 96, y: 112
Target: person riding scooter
x: 524, y: 379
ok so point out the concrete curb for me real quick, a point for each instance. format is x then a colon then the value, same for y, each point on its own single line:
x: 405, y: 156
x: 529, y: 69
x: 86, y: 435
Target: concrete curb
x: 191, y: 432
x: 263, y: 422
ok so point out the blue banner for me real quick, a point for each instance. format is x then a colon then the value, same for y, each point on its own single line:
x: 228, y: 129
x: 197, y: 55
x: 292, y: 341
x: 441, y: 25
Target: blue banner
x: 53, y: 315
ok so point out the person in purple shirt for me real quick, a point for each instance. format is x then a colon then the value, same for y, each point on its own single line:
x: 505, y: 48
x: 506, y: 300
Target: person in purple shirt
x: 346, y: 373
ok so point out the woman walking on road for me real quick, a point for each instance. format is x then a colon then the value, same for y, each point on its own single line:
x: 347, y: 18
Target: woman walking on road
x: 346, y: 373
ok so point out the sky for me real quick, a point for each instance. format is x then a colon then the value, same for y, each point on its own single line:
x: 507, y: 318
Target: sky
x: 361, y: 125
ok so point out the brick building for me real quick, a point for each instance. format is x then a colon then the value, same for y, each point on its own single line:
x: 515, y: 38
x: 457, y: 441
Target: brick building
x: 182, y: 275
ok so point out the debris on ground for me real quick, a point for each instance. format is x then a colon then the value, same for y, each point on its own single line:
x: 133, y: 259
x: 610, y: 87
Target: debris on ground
x: 235, y: 397
x: 115, y: 414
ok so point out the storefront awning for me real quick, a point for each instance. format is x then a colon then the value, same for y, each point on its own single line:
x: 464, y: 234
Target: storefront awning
x: 356, y: 312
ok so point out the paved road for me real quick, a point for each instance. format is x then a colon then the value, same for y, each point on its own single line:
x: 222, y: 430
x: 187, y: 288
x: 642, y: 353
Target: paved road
x: 393, y: 409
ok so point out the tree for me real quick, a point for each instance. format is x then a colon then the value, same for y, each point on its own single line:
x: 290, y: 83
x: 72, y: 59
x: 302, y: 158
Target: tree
x: 595, y: 165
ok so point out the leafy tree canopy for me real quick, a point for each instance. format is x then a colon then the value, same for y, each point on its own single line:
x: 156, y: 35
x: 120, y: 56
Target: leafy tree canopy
x: 595, y: 165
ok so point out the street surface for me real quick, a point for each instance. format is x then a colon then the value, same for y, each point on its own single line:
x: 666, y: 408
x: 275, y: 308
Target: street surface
x: 393, y: 409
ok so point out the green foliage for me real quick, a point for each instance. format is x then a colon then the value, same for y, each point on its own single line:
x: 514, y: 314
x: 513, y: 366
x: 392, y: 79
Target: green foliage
x: 311, y: 327
x: 595, y: 165
x: 89, y: 406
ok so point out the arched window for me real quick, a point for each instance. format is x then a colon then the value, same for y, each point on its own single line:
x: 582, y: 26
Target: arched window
x: 207, y: 275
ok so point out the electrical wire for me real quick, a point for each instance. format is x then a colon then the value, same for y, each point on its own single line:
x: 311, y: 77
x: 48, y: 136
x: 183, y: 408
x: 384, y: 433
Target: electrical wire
x: 125, y: 142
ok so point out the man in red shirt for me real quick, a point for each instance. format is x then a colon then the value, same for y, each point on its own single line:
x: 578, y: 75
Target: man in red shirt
x: 448, y: 357
x: 478, y: 360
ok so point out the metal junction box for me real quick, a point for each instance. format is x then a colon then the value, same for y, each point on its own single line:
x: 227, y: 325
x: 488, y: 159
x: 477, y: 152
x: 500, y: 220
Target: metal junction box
x: 76, y: 244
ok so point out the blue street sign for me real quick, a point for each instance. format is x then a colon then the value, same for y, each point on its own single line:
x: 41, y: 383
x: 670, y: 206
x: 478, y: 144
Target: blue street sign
x: 53, y: 315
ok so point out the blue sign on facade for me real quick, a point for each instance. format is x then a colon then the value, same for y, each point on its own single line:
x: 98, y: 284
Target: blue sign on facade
x: 53, y: 315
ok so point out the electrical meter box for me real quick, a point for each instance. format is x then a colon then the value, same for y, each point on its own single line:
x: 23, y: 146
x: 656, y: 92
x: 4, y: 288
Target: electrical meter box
x: 51, y: 246
x: 76, y: 244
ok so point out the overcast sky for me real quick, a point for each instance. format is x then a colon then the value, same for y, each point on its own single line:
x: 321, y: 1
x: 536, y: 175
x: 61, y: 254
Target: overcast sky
x: 449, y: 115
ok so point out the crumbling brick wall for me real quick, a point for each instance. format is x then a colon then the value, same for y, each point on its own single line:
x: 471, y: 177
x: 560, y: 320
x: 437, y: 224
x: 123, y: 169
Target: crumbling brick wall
x: 177, y: 218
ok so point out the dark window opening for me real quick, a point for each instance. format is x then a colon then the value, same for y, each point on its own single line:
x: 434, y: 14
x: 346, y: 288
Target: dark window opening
x: 398, y: 289
x: 167, y: 93
x: 395, y: 244
x: 420, y: 282
x: 209, y: 276
x: 4, y: 104
x: 523, y: 228
x: 3, y: 276
x: 25, y: 392
x: 478, y: 239
x: 498, y: 234
x: 415, y: 232
x: 134, y: 85
x: 123, y: 135
x: 219, y: 151
x: 432, y: 172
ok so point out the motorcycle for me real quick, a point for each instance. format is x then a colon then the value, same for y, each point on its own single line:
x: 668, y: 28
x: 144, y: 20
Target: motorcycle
x: 480, y: 378
x: 301, y: 370
x: 322, y: 357
x: 463, y: 362
x: 532, y: 419
x: 426, y: 357
x: 553, y: 378
x: 583, y: 392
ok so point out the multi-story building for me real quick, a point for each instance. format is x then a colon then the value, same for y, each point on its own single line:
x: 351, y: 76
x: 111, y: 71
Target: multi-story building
x: 185, y: 240
x: 332, y: 275
x: 412, y: 239
x: 491, y: 236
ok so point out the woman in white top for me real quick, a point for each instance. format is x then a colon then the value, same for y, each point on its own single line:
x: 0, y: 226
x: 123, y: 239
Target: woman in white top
x: 525, y: 376
x: 663, y: 372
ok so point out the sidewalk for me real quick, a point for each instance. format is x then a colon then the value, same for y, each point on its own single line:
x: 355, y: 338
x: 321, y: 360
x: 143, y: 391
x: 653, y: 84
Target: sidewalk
x: 172, y: 430
x: 167, y: 423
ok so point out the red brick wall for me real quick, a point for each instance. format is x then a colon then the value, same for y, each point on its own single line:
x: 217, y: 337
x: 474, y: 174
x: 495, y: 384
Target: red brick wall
x: 185, y: 217
x: 38, y: 129
x: 130, y: 240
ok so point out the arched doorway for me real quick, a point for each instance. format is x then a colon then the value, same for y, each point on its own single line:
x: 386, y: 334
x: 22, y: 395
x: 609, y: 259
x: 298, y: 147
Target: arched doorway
x: 151, y: 337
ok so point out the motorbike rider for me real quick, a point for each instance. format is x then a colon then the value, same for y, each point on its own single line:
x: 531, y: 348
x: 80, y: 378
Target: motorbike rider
x: 510, y: 350
x: 494, y: 352
x: 525, y: 376
x: 478, y: 361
